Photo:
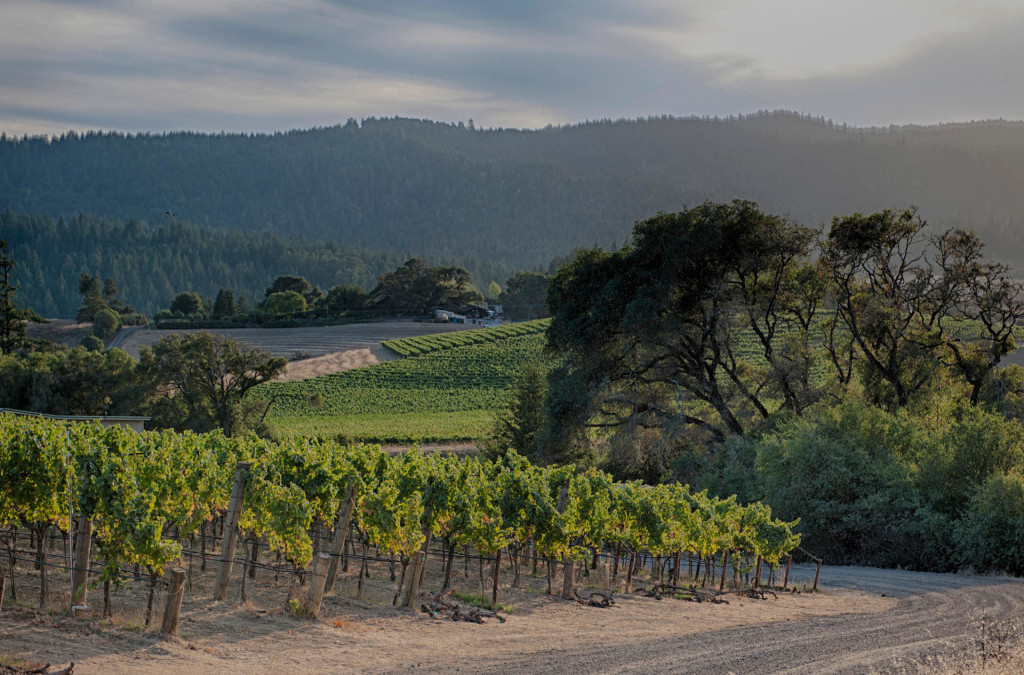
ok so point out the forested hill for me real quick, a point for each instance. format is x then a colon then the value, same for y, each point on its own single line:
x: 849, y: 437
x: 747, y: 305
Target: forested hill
x: 152, y: 264
x: 522, y: 197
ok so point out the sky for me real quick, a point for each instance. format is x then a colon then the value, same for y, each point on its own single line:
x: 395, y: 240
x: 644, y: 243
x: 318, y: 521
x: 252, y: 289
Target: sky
x: 262, y: 65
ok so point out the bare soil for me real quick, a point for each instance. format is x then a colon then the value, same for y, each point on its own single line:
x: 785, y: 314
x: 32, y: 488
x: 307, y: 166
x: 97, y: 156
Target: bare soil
x: 62, y: 331
x: 310, y: 342
x: 460, y: 448
x: 334, y: 363
x: 865, y: 620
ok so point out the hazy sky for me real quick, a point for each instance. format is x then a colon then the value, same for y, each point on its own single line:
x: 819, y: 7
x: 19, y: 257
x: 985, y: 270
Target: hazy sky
x: 258, y: 65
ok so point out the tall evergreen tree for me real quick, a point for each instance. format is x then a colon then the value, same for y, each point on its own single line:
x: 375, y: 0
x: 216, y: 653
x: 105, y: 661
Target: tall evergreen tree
x: 224, y: 305
x: 12, y: 319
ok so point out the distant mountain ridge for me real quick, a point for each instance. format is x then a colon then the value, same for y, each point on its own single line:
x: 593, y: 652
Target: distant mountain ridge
x: 523, y: 197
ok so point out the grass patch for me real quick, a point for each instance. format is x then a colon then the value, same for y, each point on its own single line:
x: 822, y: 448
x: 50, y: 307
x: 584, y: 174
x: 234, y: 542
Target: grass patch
x: 483, y: 602
x: 17, y: 663
x: 395, y: 428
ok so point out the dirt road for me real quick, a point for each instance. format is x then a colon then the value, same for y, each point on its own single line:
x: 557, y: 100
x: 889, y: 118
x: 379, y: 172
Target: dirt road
x: 850, y: 628
x: 933, y: 613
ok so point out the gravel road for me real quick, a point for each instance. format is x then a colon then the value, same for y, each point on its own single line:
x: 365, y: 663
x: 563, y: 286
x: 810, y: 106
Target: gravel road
x: 935, y: 613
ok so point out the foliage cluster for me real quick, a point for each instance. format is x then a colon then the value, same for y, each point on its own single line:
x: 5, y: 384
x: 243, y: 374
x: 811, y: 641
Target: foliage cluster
x: 938, y: 491
x: 156, y: 261
x: 849, y: 377
x: 201, y: 380
x: 418, y: 286
x: 138, y: 488
x: 74, y: 382
x: 652, y: 335
x: 195, y: 381
x: 525, y: 296
x: 414, y: 287
x: 101, y: 307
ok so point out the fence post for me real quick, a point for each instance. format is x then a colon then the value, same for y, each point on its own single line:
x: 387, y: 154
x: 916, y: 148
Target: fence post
x: 173, y: 606
x: 227, y: 553
x: 316, y: 584
x: 341, y: 532
x: 785, y: 580
x: 816, y: 573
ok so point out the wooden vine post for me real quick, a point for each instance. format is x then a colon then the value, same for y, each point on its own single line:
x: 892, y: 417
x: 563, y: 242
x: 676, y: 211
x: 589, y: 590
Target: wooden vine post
x: 817, y: 572
x: 785, y: 579
x: 227, y: 553
x: 80, y: 559
x: 419, y: 559
x: 316, y: 585
x: 757, y: 573
x: 173, y: 606
x: 3, y: 586
x: 725, y: 566
x: 341, y: 529
x: 567, y: 562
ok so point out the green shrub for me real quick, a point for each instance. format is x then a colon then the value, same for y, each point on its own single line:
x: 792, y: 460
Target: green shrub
x: 991, y: 535
x: 105, y: 323
x: 92, y: 343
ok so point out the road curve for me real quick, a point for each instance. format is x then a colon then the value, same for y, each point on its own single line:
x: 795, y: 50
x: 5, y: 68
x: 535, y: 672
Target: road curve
x: 934, y: 613
x: 119, y: 338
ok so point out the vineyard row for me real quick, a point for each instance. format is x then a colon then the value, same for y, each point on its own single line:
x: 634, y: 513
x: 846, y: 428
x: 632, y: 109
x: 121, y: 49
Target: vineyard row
x: 137, y: 497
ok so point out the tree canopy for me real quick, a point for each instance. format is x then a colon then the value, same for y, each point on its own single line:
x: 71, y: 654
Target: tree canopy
x: 416, y: 285
x: 208, y: 375
x: 646, y: 332
x: 658, y: 334
x: 525, y: 296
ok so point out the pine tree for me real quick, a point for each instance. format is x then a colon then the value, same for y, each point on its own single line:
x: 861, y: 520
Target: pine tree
x: 224, y: 305
x: 12, y: 319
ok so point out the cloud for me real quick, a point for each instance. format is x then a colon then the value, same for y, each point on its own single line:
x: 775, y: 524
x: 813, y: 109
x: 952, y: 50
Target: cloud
x: 265, y: 65
x: 958, y: 78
